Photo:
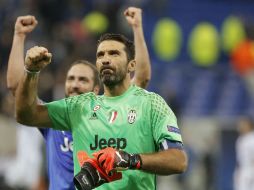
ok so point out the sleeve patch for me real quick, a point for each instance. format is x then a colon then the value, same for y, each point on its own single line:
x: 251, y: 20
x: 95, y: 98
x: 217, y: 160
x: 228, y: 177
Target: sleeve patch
x: 173, y: 129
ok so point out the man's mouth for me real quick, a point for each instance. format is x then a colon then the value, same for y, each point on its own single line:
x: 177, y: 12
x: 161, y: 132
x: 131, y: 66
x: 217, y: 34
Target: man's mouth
x: 74, y: 93
x: 107, y: 71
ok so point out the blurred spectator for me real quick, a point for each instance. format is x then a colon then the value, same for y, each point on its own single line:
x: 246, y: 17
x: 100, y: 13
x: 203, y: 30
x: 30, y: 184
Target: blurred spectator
x: 242, y: 58
x: 24, y: 171
x: 244, y: 173
x: 209, y: 169
x: 21, y: 154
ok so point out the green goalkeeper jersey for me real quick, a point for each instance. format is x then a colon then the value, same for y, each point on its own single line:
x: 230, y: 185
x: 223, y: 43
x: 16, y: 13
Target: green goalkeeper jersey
x: 136, y: 122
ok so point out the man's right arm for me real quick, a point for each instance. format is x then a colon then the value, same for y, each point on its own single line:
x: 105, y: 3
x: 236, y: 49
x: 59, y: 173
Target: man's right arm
x: 23, y: 26
x: 28, y: 110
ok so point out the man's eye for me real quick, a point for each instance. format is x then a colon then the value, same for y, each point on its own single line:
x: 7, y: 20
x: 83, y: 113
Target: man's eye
x: 99, y: 55
x: 114, y: 53
x: 84, y: 80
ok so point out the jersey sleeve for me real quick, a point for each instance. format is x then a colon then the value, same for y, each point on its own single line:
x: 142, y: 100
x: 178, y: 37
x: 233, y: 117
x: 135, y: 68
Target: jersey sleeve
x: 163, y: 120
x: 58, y: 113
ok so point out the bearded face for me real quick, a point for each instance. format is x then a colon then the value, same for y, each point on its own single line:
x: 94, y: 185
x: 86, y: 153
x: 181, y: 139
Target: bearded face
x: 112, y: 62
x: 112, y: 76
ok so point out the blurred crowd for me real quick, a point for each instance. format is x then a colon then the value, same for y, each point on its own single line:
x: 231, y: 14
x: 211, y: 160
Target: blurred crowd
x: 62, y: 30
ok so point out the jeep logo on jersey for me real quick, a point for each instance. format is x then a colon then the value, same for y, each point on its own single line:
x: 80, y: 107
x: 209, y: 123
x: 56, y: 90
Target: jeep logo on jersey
x: 67, y: 144
x: 132, y: 116
x: 119, y: 143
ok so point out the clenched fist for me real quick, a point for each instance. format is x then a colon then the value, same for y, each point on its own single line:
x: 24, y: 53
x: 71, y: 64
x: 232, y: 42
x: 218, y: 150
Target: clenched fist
x: 133, y: 16
x: 25, y: 24
x: 37, y: 58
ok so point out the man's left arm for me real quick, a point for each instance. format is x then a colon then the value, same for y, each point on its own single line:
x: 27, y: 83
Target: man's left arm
x: 171, y: 159
x: 142, y: 75
x: 166, y: 162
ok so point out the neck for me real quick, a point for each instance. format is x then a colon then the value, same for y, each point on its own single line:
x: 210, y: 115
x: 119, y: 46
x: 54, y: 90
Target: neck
x: 117, y: 89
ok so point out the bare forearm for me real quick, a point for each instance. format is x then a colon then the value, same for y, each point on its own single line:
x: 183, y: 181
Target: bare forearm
x: 172, y: 161
x: 143, y: 67
x: 16, y: 62
x: 26, y: 98
x: 28, y: 110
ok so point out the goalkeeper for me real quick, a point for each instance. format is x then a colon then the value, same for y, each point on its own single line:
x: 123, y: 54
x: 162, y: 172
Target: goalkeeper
x: 125, y: 117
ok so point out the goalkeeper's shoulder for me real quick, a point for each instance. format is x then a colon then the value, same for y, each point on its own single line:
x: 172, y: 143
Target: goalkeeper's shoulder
x: 149, y: 95
x: 81, y: 98
x: 80, y: 101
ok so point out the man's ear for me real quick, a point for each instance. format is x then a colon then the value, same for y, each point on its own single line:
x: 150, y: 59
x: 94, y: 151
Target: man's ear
x: 96, y: 89
x: 131, y: 66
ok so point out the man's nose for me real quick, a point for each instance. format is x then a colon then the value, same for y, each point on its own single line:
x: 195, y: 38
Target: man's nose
x: 75, y: 84
x: 105, y: 61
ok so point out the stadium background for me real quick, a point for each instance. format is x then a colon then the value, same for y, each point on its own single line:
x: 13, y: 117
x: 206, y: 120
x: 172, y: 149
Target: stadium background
x: 191, y: 45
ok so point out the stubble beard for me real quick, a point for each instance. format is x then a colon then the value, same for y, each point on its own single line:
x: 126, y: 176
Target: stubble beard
x: 113, y: 79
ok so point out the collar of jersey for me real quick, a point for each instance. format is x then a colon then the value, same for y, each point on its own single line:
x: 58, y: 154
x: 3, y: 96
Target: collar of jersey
x: 121, y: 96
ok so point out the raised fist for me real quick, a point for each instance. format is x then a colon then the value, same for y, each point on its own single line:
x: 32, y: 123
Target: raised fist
x: 133, y: 16
x: 37, y: 58
x: 25, y: 24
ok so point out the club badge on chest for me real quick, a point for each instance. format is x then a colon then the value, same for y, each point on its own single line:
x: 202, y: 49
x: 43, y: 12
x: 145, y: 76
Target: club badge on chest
x: 132, y: 115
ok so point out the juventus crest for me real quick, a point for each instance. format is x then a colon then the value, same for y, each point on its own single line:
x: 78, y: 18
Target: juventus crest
x: 132, y: 116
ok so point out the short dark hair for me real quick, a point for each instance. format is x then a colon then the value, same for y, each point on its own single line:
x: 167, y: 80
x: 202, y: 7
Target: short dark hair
x: 96, y: 78
x: 129, y: 45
